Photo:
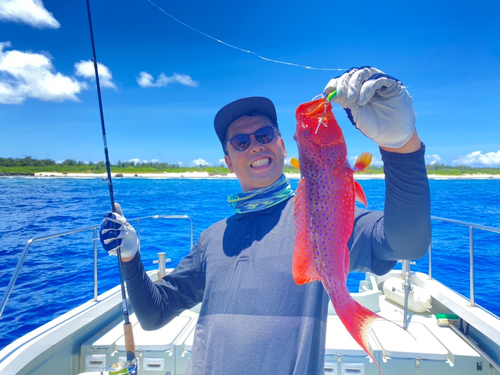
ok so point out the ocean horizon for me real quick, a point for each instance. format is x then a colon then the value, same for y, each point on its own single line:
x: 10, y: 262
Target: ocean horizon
x: 58, y: 273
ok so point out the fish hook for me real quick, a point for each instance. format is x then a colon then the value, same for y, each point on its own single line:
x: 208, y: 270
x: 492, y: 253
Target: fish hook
x: 328, y: 98
x: 322, y: 118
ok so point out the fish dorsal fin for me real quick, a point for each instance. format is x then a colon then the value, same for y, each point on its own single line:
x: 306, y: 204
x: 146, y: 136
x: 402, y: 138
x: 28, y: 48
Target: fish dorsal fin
x: 363, y: 161
x: 303, y: 266
x: 295, y: 162
x: 360, y: 194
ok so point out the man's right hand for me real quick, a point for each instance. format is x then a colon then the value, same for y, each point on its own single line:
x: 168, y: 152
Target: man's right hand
x: 116, y: 232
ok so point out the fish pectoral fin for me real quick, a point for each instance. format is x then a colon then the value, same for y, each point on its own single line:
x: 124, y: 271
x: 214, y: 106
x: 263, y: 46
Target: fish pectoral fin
x: 360, y: 194
x: 294, y: 162
x: 303, y: 265
x: 363, y: 161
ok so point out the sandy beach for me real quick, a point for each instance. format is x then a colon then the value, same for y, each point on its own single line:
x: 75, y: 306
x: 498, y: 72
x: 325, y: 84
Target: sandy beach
x: 206, y: 175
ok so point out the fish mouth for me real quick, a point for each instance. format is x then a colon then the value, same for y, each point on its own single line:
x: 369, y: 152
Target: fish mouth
x: 261, y: 162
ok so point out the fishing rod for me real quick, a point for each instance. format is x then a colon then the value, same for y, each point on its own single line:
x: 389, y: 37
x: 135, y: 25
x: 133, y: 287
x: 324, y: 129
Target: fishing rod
x: 127, y: 327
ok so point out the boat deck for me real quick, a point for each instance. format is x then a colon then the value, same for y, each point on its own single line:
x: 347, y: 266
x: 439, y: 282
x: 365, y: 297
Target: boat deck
x: 429, y: 349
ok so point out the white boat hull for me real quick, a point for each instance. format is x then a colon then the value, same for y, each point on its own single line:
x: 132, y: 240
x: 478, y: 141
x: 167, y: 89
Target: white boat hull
x: 89, y: 339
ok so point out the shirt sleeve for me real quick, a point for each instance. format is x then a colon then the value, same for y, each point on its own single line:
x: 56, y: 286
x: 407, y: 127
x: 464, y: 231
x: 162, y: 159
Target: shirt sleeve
x: 403, y: 230
x: 157, y: 304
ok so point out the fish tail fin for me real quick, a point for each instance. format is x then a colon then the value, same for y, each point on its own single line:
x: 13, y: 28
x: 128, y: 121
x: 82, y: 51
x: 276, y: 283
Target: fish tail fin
x: 295, y: 162
x: 357, y: 319
x: 363, y: 161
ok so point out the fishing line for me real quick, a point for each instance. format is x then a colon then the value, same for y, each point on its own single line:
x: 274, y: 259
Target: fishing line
x: 241, y: 49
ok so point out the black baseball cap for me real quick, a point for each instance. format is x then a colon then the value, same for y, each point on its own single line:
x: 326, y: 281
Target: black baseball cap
x: 251, y: 106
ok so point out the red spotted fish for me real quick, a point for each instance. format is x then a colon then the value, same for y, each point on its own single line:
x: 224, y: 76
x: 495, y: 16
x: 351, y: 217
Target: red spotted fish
x: 324, y: 213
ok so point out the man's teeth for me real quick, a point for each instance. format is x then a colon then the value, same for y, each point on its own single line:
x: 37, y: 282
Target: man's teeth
x: 261, y: 162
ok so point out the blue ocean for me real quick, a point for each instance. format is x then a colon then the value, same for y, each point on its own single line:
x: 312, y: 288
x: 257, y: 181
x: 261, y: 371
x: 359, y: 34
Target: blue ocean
x: 58, y: 273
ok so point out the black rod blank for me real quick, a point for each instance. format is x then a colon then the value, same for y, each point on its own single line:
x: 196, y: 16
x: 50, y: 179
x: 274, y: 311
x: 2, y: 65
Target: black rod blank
x: 129, y: 338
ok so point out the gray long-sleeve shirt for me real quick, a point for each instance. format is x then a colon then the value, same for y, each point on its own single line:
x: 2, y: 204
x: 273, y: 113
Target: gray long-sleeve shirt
x: 254, y: 317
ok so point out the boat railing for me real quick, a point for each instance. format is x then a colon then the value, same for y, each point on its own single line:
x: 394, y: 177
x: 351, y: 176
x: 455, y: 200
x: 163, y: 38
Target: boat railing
x: 471, y: 227
x: 95, y: 240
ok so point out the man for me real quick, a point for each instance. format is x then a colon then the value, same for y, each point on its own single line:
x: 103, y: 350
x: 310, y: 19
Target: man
x: 254, y: 318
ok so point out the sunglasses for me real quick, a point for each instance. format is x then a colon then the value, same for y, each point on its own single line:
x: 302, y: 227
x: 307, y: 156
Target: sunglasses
x: 264, y: 135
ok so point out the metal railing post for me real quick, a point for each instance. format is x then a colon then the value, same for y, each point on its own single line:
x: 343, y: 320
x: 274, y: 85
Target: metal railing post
x: 407, y: 288
x: 191, y: 221
x: 95, y: 265
x: 139, y: 234
x: 471, y: 249
x: 430, y: 260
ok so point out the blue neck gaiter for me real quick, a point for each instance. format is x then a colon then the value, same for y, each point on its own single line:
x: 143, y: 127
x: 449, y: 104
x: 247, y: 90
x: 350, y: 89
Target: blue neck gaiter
x: 260, y: 199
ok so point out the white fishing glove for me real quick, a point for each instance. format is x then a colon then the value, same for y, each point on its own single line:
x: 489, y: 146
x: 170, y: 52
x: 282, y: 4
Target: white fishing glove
x: 116, y: 232
x: 375, y: 103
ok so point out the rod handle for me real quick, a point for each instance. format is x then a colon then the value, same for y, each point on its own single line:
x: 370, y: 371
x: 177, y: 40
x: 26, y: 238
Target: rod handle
x: 129, y: 341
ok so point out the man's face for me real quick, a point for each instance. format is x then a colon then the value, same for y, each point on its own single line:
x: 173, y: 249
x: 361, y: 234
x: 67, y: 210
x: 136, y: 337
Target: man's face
x: 260, y: 165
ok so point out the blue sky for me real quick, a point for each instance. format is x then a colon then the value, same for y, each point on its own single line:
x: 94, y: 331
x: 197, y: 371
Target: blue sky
x: 164, y: 82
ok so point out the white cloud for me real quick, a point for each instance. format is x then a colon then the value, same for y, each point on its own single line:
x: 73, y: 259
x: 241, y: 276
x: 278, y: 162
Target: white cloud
x: 31, y: 12
x: 222, y: 161
x: 433, y: 159
x: 146, y: 80
x: 200, y: 163
x: 137, y: 160
x: 85, y: 68
x: 31, y: 75
x: 478, y: 159
x: 155, y: 160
